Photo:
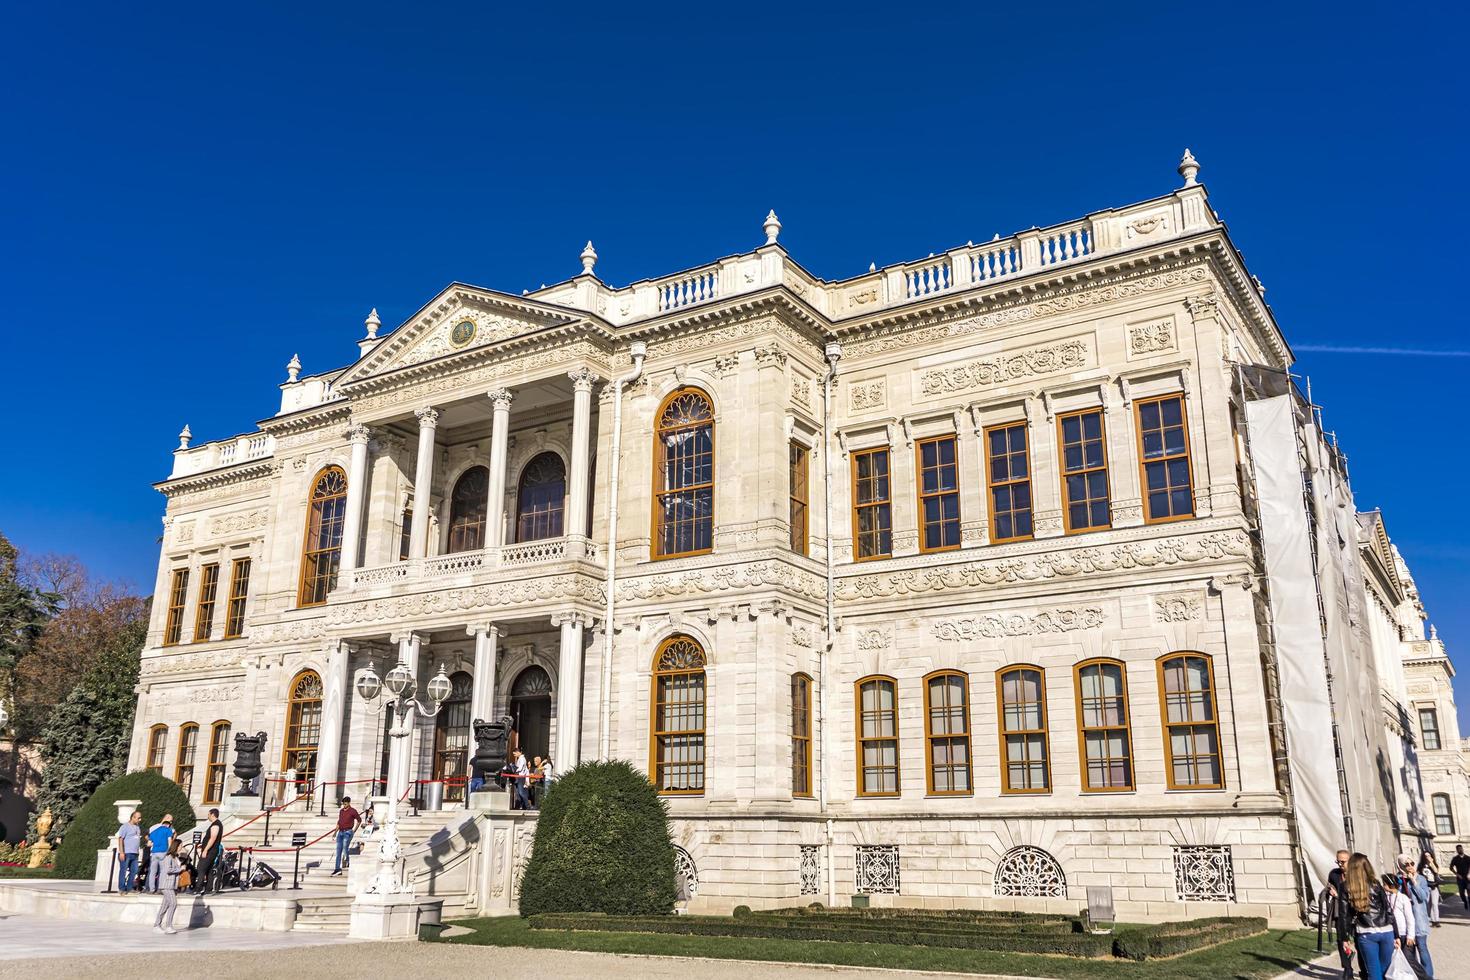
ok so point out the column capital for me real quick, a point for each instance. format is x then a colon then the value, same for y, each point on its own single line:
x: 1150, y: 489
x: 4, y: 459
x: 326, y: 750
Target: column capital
x: 569, y: 619
x: 482, y: 629
x: 408, y: 635
x: 583, y: 378
x: 428, y: 417
x: 500, y: 398
x: 358, y: 434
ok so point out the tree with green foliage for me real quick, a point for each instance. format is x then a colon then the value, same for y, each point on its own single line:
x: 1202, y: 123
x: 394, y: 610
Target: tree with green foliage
x: 602, y: 845
x: 24, y: 612
x: 96, y: 821
x: 85, y: 741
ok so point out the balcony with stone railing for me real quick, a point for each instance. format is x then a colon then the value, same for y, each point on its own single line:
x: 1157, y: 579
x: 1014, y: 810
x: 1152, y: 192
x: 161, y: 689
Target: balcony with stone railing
x: 245, y: 448
x: 474, y: 567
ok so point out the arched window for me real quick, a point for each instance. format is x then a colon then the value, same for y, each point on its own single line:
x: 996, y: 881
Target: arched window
x: 184, y: 764
x: 157, y: 746
x: 467, y: 508
x: 303, y: 730
x: 540, y: 499
x: 678, y: 717
x: 1191, y: 722
x: 321, y: 551
x: 801, y: 735
x: 1102, y: 721
x: 877, y: 728
x: 684, y: 475
x: 1444, y: 818
x: 1025, y: 765
x: 452, y: 737
x: 947, y: 732
x: 214, y: 772
x: 1029, y: 872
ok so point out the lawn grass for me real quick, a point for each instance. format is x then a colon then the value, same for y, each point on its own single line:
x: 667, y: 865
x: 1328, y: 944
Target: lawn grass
x: 1260, y: 956
x: 8, y: 872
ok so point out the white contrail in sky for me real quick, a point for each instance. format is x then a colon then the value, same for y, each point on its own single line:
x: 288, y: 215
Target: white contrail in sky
x: 1409, y: 351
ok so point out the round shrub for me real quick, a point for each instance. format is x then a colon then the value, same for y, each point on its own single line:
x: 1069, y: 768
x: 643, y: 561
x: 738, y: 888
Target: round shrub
x: 602, y: 845
x: 96, y: 822
x: 741, y: 912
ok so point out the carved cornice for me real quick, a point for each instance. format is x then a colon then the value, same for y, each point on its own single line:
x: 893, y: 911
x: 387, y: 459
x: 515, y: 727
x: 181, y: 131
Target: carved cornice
x: 1029, y: 363
x: 529, y: 592
x: 723, y: 578
x: 236, y: 478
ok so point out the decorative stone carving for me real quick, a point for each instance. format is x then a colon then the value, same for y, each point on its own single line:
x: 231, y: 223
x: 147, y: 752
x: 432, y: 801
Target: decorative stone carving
x: 1018, y: 624
x: 873, y: 639
x: 497, y: 872
x: 1204, y: 873
x: 229, y: 524
x: 184, y: 532
x: 1181, y: 607
x: 1029, y: 872
x: 521, y: 593
x: 1155, y: 335
x: 1050, y: 359
x: 866, y: 395
x: 520, y: 857
x: 722, y: 579
x: 801, y: 393
x: 726, y: 365
x: 1049, y: 565
x: 810, y: 870
x: 801, y: 636
x: 770, y: 355
x: 876, y: 869
x: 686, y: 875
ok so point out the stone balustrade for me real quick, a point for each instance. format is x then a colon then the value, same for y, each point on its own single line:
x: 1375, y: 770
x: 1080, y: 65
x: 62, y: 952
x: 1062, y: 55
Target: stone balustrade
x: 460, y: 563
x: 226, y: 452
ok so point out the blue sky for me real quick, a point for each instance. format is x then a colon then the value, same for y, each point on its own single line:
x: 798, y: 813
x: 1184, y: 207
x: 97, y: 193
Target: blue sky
x: 194, y: 193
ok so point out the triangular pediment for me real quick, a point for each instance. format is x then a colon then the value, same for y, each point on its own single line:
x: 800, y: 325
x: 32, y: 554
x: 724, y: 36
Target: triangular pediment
x: 1378, y: 545
x: 460, y: 319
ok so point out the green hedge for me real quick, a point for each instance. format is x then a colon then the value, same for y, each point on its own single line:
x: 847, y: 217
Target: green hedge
x: 923, y: 922
x: 1175, y: 938
x: 1059, y: 944
x: 96, y: 822
x: 998, y: 916
x: 602, y: 845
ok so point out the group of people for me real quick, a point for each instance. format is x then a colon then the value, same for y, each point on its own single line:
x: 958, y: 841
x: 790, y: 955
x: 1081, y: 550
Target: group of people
x: 153, y: 862
x: 1379, y: 916
x: 529, y: 781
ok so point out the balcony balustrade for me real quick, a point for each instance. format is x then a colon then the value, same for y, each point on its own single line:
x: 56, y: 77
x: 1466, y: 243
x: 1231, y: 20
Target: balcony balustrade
x: 471, y: 563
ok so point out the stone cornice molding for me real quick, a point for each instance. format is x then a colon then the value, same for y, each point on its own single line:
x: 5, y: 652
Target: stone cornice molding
x: 239, y: 474
x: 528, y: 593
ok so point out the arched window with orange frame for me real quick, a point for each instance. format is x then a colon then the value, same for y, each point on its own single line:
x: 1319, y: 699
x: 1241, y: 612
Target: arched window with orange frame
x: 684, y: 475
x: 1025, y: 757
x: 1191, y: 721
x: 184, y: 764
x: 1105, y: 741
x: 677, y: 721
x: 157, y: 748
x: 303, y: 730
x: 321, y: 549
x: 877, y: 737
x: 468, y: 505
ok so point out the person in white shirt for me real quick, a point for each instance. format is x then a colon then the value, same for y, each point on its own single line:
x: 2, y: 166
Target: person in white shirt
x: 1403, y: 912
x: 522, y: 798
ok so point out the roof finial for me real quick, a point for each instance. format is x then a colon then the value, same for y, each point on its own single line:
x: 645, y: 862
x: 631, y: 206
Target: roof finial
x: 184, y: 436
x: 772, y: 227
x: 1433, y: 630
x: 589, y: 259
x: 1188, y: 168
x: 372, y: 323
x: 293, y: 368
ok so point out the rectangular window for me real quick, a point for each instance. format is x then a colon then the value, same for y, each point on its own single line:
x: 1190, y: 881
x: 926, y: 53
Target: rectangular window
x: 799, y: 497
x: 947, y: 731
x: 801, y: 735
x: 214, y: 772
x: 1102, y: 716
x: 1163, y: 444
x: 239, y: 590
x: 204, y: 615
x: 405, y: 534
x: 1084, y: 471
x: 1191, y: 728
x: 877, y: 737
x: 1008, y: 475
x: 184, y: 764
x: 1444, y: 820
x: 1023, y: 734
x: 939, y: 495
x: 1429, y: 725
x: 872, y: 516
x: 173, y: 628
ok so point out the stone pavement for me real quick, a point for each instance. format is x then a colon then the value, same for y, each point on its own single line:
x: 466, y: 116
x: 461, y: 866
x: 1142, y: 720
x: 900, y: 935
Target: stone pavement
x: 1449, y: 946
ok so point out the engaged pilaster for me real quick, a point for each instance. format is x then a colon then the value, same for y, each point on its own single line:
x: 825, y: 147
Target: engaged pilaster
x: 335, y: 690
x: 423, y: 481
x: 500, y: 399
x: 581, y: 462
x: 357, y: 496
x: 482, y: 698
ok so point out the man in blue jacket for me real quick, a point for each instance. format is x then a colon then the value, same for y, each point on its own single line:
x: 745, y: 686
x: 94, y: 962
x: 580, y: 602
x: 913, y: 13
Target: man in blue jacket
x: 158, y: 837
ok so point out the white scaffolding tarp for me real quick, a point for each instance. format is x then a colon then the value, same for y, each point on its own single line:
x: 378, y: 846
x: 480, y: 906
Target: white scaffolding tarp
x: 1300, y: 655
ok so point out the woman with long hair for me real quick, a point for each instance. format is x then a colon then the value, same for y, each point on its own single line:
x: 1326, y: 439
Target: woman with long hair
x: 1365, y: 917
x: 1429, y: 868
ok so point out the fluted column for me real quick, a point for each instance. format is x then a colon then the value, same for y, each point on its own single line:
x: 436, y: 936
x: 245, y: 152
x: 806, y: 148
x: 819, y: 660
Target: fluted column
x: 581, y: 462
x: 500, y: 400
x: 423, y: 481
x: 357, y: 496
x: 482, y: 698
x: 335, y: 691
x: 569, y: 692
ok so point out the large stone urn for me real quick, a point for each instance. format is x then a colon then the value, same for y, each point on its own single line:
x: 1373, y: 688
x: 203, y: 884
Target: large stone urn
x: 247, y: 761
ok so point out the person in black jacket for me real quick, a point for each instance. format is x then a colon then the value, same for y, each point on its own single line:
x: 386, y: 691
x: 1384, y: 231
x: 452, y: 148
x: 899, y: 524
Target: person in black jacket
x: 1335, y: 889
x: 1365, y: 917
x: 1460, y: 867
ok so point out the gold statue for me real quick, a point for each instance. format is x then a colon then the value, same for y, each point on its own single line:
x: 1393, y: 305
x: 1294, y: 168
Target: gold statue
x: 41, y: 850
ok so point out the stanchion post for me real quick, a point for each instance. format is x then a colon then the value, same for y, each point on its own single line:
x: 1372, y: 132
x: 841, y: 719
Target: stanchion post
x: 111, y: 873
x: 265, y: 836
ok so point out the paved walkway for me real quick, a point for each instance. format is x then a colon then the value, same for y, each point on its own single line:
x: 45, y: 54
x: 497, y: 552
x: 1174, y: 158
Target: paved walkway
x: 1449, y: 946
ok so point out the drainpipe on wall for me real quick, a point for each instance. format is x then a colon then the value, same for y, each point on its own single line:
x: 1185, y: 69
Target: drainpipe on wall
x: 834, y: 354
x: 639, y: 350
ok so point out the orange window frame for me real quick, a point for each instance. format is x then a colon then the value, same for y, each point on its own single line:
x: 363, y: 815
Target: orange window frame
x: 157, y: 748
x: 801, y: 735
x: 1084, y: 471
x: 1012, y: 482
x: 239, y: 593
x: 882, y: 507
x: 184, y: 763
x: 208, y: 590
x: 863, y: 740
x: 660, y: 473
x: 178, y: 594
x: 680, y: 658
x: 321, y: 544
x: 1007, y: 732
x: 1164, y: 460
x: 953, y: 740
x: 1084, y: 729
x: 800, y: 496
x: 214, y: 768
x: 1184, y: 698
x: 945, y: 524
x: 303, y: 729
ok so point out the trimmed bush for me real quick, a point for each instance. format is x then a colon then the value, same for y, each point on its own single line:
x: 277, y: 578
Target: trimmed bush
x: 758, y: 927
x: 96, y: 822
x: 602, y: 845
x: 741, y: 912
x: 1176, y: 938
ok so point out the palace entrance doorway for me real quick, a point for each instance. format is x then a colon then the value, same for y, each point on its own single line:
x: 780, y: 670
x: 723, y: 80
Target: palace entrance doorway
x: 452, y: 738
x: 530, y: 708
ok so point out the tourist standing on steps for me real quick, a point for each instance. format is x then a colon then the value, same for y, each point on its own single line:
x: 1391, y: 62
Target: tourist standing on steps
x: 348, y: 821
x: 209, y: 852
x: 1460, y: 867
x: 158, y: 837
x: 168, y: 860
x: 129, y: 843
x: 1365, y: 917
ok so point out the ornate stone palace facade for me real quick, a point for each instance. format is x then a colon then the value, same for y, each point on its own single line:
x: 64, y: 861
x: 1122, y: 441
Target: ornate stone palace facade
x: 939, y: 583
